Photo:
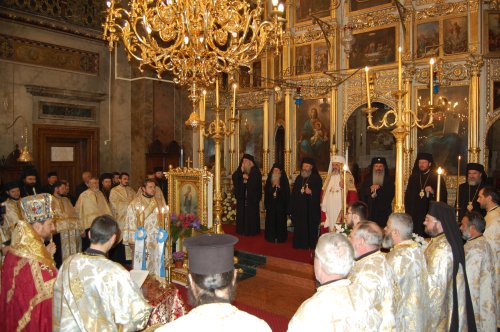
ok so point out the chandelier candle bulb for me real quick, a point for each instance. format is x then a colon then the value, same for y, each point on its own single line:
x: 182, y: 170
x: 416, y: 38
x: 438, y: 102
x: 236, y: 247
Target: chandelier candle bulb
x: 438, y: 194
x: 369, y: 102
x: 400, y: 69
x: 431, y: 83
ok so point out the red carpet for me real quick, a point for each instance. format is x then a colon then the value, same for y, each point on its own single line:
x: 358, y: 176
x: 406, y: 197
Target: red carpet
x: 258, y: 245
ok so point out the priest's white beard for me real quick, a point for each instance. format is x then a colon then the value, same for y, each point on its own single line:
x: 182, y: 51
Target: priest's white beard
x: 378, y: 177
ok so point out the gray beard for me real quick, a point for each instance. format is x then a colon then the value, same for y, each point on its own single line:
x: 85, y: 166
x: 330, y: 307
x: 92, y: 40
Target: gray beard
x: 305, y: 174
x: 473, y: 183
x: 378, y: 178
x: 387, y: 242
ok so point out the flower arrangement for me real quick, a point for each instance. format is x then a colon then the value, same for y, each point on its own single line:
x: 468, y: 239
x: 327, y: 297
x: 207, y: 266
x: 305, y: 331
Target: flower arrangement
x: 182, y: 225
x: 229, y: 209
x: 342, y: 229
x: 178, y: 256
x: 420, y: 240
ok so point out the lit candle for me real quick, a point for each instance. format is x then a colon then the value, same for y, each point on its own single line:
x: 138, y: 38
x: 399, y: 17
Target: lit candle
x: 163, y: 217
x: 138, y: 215
x: 400, y: 69
x: 345, y: 190
x: 217, y: 92
x: 431, y: 83
x: 234, y: 99
x: 142, y: 216
x: 369, y: 102
x: 438, y: 194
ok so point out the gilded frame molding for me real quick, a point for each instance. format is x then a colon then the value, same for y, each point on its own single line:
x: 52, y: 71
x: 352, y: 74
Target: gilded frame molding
x: 200, y: 179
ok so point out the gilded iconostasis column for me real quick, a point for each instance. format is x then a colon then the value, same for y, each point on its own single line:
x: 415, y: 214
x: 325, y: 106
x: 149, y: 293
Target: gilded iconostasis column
x: 333, y: 120
x: 201, y: 146
x: 265, y: 137
x: 474, y: 62
x: 288, y: 125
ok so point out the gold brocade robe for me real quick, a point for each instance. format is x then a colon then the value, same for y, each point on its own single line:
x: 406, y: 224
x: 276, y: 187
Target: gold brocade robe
x: 92, y: 293
x: 67, y: 225
x: 410, y: 270
x: 376, y: 276
x: 492, y: 234
x: 151, y: 224
x: 480, y: 268
x: 91, y: 204
x: 12, y: 216
x: 119, y: 199
x: 336, y: 306
x: 439, y: 260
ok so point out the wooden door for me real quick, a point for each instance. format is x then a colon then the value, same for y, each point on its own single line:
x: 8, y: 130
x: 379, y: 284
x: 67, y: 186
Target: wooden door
x: 66, y: 150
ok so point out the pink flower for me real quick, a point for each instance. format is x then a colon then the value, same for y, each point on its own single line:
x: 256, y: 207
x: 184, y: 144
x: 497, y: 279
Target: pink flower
x: 182, y: 217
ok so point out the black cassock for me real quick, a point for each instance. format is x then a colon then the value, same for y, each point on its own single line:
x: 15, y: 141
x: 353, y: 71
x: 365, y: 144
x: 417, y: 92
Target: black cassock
x: 417, y: 206
x: 380, y: 207
x: 276, y: 201
x: 468, y: 193
x: 162, y: 184
x: 306, y: 212
x: 248, y: 196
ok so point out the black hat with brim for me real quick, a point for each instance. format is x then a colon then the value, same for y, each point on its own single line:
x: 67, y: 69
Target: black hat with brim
x: 211, y: 253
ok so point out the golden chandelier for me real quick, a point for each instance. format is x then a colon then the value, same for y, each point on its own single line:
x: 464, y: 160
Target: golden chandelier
x: 194, y: 39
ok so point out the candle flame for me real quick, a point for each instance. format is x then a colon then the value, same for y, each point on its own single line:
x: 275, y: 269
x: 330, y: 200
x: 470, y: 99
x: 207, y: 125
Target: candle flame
x: 162, y: 210
x: 345, y: 167
x: 400, y: 49
x: 366, y: 69
x: 432, y: 61
x: 459, y: 157
x: 440, y: 171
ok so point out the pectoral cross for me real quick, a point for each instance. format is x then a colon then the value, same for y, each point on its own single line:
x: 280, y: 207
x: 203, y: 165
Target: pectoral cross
x: 189, y: 162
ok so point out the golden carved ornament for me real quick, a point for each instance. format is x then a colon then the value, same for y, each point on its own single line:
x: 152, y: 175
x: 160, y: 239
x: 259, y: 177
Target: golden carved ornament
x: 442, y: 9
x: 374, y: 19
x: 447, y: 73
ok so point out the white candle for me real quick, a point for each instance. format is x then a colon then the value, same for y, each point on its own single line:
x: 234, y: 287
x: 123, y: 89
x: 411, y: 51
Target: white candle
x: 182, y: 158
x: 345, y: 190
x: 217, y: 92
x: 400, y: 70
x: 369, y: 102
x: 438, y: 195
x: 431, y: 83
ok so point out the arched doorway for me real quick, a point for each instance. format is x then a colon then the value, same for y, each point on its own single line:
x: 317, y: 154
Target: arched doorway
x: 365, y: 144
x: 279, y: 145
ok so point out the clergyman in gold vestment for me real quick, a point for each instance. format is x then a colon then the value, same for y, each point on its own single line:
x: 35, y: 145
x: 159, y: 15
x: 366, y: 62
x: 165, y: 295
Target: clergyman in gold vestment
x: 143, y: 211
x: 407, y: 260
x: 90, y: 205
x: 372, y: 272
x: 450, y: 301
